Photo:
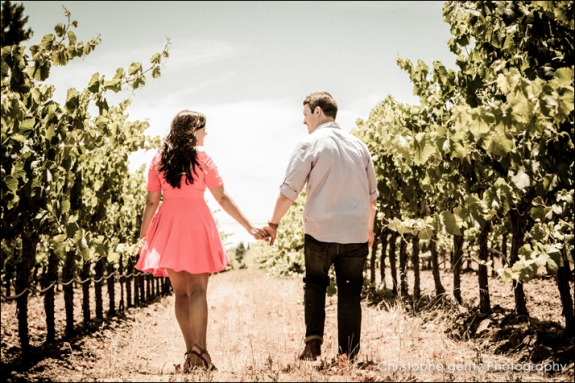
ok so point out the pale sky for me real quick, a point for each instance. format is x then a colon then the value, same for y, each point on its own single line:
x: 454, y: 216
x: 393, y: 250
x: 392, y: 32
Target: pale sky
x: 248, y: 67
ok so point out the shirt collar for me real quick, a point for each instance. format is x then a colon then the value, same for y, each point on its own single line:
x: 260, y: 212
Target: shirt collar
x: 329, y: 124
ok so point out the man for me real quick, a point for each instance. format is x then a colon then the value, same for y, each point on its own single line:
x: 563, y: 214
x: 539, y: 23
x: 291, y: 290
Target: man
x: 338, y: 220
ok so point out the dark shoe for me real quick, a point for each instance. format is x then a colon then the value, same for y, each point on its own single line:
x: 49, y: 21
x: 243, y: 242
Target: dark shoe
x: 312, y: 350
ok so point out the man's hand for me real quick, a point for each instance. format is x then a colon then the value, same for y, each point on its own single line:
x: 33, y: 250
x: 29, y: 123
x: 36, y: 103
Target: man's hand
x: 370, y: 238
x: 271, y: 234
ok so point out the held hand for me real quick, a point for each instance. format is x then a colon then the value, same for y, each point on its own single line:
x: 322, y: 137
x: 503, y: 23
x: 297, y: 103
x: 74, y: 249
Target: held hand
x: 258, y: 234
x: 271, y: 234
x: 370, y: 238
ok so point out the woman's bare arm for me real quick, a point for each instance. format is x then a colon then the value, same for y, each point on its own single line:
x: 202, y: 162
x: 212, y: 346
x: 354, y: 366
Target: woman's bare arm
x: 152, y: 202
x: 230, y: 207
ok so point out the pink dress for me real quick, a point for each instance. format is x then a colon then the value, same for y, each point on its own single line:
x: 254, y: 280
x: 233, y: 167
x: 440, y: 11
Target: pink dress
x: 183, y: 234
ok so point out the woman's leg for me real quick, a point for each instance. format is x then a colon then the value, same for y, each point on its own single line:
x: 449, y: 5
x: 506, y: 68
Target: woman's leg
x: 191, y: 306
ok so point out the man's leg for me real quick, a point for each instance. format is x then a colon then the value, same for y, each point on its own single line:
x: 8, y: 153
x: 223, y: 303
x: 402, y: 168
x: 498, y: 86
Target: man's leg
x: 316, y: 280
x: 349, y: 266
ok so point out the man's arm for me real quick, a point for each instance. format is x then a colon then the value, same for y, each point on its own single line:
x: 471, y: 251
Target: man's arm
x: 297, y: 172
x: 372, y: 211
x: 373, y: 194
x: 283, y: 204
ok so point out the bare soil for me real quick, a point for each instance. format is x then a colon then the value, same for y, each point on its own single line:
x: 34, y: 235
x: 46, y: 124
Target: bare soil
x: 256, y: 328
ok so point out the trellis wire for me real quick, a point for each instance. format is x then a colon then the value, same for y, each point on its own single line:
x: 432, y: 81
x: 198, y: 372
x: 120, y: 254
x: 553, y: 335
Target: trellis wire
x: 33, y: 289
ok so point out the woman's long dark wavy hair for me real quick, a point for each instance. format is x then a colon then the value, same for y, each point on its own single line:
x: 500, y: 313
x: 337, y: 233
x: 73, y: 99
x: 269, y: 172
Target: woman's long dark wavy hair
x: 179, y: 155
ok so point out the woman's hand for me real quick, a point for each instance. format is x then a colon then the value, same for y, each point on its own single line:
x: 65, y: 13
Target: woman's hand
x: 258, y: 234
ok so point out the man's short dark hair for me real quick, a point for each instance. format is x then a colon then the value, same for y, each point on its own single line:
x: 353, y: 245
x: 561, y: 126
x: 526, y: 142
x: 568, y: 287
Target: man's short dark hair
x: 324, y: 100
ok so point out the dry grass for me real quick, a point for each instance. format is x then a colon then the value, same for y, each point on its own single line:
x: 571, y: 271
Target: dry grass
x: 255, y: 333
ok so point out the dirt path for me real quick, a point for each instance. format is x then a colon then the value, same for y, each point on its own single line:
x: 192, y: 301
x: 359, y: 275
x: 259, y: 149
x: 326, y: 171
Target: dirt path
x: 255, y: 333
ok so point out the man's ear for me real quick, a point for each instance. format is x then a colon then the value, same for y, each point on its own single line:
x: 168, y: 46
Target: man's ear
x: 317, y: 110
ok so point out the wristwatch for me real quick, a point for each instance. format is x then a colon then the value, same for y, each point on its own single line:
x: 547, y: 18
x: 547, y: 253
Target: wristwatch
x: 273, y: 225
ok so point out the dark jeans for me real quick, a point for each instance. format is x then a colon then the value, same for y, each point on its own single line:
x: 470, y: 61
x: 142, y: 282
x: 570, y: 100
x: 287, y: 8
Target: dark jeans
x: 348, y: 260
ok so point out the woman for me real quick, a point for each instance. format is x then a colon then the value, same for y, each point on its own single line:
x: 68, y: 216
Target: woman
x: 182, y: 241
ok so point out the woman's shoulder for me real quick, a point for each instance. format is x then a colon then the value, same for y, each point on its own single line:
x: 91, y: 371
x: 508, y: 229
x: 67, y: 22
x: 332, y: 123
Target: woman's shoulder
x: 156, y: 160
x: 204, y: 157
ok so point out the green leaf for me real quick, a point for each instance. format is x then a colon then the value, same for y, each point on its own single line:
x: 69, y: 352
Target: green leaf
x: 71, y: 229
x: 134, y: 68
x: 397, y: 226
x: 426, y: 232
x: 27, y: 124
x: 50, y: 132
x: 508, y: 81
x: 59, y: 238
x: 565, y: 196
x: 449, y: 222
x: 113, y: 257
x: 36, y: 96
x: 156, y: 58
x: 73, y: 218
x: 114, y: 85
x: 72, y: 101
x: 11, y: 184
x: 506, y: 274
x: 41, y: 71
x: 548, y: 100
x: 65, y: 205
x: 524, y: 269
x: 423, y: 148
x: 564, y: 76
x: 5, y: 68
x: 18, y: 171
x: 139, y: 81
x: 60, y: 57
x: 72, y: 38
x: 521, y: 180
x: 501, y: 145
x: 558, y: 210
x: 459, y: 214
x: 46, y: 42
x: 478, y: 125
x: 538, y: 201
x: 553, y: 262
x: 566, y: 104
x: 59, y: 29
x: 538, y: 233
x: 94, y: 84
x: 476, y: 209
x: 539, y: 213
x: 18, y: 138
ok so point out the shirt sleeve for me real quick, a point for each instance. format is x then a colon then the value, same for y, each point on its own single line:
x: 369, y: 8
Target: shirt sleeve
x: 213, y: 178
x: 371, y: 178
x: 154, y: 183
x: 297, y: 172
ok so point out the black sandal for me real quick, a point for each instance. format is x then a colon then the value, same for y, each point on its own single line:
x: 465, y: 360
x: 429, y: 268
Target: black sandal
x: 199, y: 352
x: 188, y: 363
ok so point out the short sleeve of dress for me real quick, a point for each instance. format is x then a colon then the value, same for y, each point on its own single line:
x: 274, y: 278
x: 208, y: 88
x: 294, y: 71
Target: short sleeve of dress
x: 154, y: 183
x: 213, y: 179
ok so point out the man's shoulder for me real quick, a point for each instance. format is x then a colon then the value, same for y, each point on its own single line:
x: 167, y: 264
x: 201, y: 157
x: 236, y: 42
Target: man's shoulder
x: 326, y: 137
x: 348, y: 137
x: 305, y: 142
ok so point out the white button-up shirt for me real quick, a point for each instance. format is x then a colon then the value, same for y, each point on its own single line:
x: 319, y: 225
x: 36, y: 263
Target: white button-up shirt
x: 341, y: 183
